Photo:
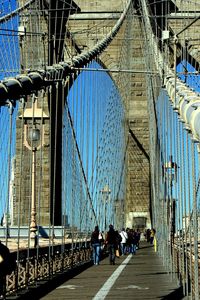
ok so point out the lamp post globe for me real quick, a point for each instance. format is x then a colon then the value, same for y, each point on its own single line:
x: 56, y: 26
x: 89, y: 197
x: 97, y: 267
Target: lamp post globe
x: 34, y: 134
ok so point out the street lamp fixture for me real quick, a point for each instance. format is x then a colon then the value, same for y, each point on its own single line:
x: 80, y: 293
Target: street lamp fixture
x: 170, y: 173
x: 34, y: 119
x: 170, y: 169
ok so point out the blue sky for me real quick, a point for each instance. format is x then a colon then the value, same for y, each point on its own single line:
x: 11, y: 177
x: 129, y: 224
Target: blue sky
x: 9, y: 46
x: 97, y: 115
x: 192, y: 80
x: 9, y: 67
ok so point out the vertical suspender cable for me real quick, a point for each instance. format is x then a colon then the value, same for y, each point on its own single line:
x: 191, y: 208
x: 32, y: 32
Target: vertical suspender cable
x: 182, y: 206
x: 63, y: 196
x: 184, y: 142
x: 179, y: 201
x: 18, y: 219
x: 174, y: 128
x: 93, y: 133
x: 184, y: 237
x: 172, y: 179
x: 161, y: 126
x: 195, y: 226
x: 9, y: 168
x: 189, y: 217
x: 87, y: 147
x: 167, y: 256
x: 81, y: 147
x: 51, y: 182
x: 73, y: 184
x: 40, y: 165
x: 56, y: 95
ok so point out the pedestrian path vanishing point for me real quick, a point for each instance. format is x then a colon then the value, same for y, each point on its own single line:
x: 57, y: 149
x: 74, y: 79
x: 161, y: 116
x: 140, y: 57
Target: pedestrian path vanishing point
x: 141, y: 276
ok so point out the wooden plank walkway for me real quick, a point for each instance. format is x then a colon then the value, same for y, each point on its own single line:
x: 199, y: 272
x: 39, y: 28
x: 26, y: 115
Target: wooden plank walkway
x: 139, y: 277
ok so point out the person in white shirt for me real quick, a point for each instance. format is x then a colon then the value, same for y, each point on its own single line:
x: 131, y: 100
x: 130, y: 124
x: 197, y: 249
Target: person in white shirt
x: 124, y: 237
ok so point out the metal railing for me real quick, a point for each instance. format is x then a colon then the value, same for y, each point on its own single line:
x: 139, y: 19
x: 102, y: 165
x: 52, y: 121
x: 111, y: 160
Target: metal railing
x: 50, y: 262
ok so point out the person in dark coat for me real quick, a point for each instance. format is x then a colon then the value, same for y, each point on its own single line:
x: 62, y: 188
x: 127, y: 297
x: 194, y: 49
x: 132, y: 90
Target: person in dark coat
x: 112, y: 244
x: 7, y: 265
x: 96, y: 244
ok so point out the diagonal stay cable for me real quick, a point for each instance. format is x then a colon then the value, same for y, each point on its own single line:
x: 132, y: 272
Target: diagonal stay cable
x: 80, y: 160
x: 25, y: 84
x: 16, y: 11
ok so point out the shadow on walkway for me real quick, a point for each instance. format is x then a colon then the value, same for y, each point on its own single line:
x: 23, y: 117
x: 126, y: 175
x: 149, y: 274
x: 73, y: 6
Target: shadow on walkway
x: 175, y: 295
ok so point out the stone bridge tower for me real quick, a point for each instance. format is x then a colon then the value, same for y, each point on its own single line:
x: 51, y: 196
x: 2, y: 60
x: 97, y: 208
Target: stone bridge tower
x: 136, y: 205
x: 95, y: 13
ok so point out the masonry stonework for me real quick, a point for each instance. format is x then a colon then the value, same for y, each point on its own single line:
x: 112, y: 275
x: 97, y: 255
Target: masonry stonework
x: 137, y: 199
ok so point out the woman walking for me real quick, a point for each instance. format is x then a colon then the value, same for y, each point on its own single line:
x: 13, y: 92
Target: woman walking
x: 96, y: 244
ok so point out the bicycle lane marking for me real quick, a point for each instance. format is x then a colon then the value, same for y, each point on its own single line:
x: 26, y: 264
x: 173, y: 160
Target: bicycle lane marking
x: 102, y: 293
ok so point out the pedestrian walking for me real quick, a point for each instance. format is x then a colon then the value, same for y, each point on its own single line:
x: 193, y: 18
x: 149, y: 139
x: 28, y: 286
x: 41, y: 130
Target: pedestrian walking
x: 112, y: 244
x: 133, y: 241
x: 124, y: 237
x: 152, y: 234
x: 137, y: 236
x: 96, y: 245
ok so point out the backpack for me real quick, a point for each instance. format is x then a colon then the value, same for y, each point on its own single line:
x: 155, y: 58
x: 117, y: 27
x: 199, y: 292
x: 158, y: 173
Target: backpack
x: 111, y: 237
x: 119, y: 238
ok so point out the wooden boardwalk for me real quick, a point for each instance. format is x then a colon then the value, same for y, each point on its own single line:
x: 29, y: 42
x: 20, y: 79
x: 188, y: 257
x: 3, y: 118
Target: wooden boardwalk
x: 138, y: 277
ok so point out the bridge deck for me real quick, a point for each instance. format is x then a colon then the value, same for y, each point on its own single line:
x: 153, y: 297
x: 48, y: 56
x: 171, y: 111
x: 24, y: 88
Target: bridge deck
x: 141, y: 276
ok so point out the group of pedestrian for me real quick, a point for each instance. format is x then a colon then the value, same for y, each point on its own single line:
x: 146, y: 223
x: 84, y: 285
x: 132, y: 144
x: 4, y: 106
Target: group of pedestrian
x: 130, y: 241
x: 116, y: 243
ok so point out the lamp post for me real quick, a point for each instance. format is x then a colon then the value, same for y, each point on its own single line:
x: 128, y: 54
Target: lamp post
x: 105, y: 192
x: 34, y: 135
x: 33, y: 140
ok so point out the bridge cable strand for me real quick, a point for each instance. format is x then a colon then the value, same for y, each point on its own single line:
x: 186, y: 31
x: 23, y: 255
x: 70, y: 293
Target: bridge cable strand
x: 171, y: 82
x: 80, y: 161
x: 13, y: 88
x: 16, y: 12
x: 170, y: 100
